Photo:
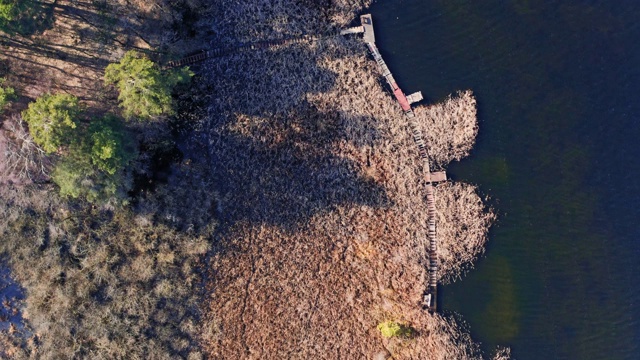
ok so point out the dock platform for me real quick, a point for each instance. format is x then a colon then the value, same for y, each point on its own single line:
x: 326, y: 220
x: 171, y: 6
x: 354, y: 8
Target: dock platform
x: 367, y: 24
x: 415, y: 97
x: 353, y: 30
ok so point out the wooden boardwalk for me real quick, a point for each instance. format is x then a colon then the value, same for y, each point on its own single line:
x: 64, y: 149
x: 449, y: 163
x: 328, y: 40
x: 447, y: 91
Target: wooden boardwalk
x: 430, y: 296
x: 219, y: 52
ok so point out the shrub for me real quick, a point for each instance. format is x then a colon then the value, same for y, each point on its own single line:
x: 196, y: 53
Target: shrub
x: 390, y: 329
x: 77, y: 177
x: 12, y: 12
x: 110, y: 149
x: 145, y: 90
x: 85, y: 295
x: 94, y: 167
x: 6, y: 94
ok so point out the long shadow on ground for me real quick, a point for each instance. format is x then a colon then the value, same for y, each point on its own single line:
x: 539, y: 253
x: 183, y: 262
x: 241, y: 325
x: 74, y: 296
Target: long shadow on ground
x: 273, y: 153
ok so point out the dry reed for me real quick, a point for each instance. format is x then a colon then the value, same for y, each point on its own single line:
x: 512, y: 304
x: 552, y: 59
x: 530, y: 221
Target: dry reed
x: 322, y: 207
x: 450, y: 127
x: 462, y: 224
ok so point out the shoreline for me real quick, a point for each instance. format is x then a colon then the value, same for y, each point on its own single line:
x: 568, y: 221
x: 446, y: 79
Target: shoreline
x: 430, y: 297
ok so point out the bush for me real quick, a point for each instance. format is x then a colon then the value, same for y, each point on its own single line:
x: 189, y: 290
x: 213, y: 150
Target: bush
x: 101, y: 284
x: 12, y: 12
x: 77, y: 177
x: 145, y: 90
x: 390, y: 329
x: 6, y: 94
x: 51, y: 120
x: 93, y: 164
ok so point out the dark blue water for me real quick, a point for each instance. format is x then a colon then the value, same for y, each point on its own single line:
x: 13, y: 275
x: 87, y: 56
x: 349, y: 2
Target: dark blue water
x: 558, y: 89
x: 11, y: 298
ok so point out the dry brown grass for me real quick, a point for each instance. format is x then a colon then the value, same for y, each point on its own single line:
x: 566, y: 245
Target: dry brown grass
x: 248, y: 21
x: 502, y: 354
x: 450, y: 127
x: 462, y: 224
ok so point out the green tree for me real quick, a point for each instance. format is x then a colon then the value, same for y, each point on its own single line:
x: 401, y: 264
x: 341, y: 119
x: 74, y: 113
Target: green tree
x: 145, y: 90
x: 77, y: 177
x: 95, y: 165
x: 6, y: 94
x: 13, y: 14
x: 110, y: 146
x: 52, y: 119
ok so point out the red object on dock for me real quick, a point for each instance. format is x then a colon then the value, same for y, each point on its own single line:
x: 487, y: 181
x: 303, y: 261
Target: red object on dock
x: 404, y: 103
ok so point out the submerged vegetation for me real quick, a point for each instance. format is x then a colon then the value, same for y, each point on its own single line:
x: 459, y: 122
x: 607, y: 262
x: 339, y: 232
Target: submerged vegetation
x: 293, y: 199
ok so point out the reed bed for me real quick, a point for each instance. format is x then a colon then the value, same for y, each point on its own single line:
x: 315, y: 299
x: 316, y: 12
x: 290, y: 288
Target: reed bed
x: 450, y: 126
x: 323, y: 210
x: 462, y: 222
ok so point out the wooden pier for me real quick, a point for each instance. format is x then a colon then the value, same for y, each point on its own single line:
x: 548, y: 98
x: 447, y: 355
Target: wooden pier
x: 430, y: 295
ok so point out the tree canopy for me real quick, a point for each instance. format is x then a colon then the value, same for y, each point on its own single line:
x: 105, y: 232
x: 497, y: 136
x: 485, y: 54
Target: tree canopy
x: 94, y: 165
x: 110, y: 147
x: 76, y: 177
x: 145, y: 90
x: 12, y: 12
x: 52, y: 119
x: 6, y: 94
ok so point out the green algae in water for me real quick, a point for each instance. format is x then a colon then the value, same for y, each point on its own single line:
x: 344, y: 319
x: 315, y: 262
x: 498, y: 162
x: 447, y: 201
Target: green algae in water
x: 503, y: 305
x: 495, y: 168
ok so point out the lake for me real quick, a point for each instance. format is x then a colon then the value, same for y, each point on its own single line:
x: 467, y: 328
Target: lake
x: 557, y: 84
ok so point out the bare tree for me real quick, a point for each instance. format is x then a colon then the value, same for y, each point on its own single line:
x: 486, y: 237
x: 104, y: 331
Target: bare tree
x: 24, y: 160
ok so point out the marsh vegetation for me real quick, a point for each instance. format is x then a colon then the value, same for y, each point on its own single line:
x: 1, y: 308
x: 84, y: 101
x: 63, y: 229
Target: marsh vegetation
x: 280, y: 190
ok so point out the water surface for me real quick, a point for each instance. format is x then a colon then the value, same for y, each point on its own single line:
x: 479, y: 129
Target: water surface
x: 557, y: 84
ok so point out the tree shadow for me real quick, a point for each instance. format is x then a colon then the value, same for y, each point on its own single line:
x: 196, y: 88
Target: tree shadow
x: 11, y: 296
x: 87, y: 33
x: 274, y: 155
x: 37, y: 18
